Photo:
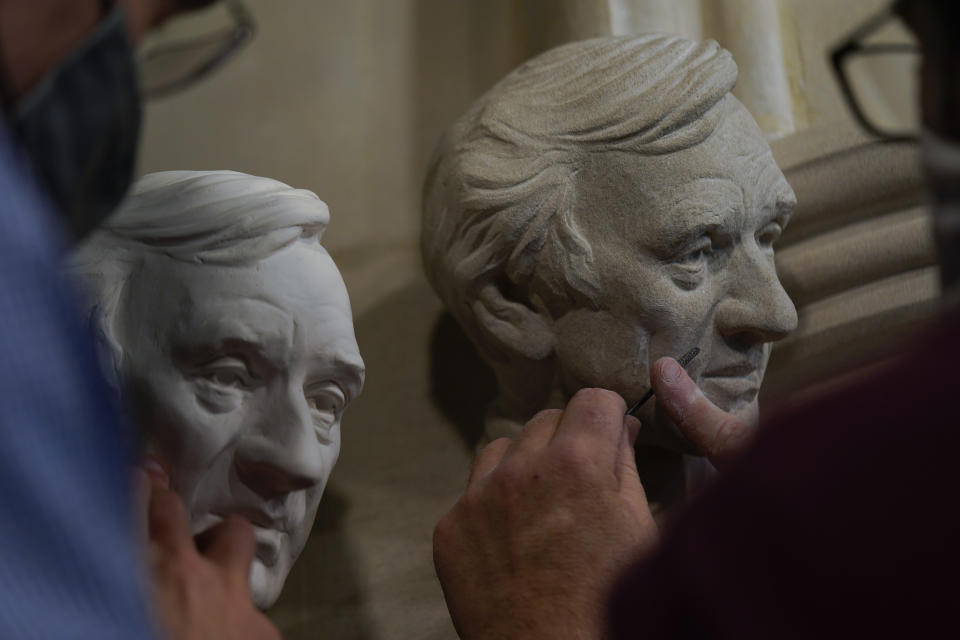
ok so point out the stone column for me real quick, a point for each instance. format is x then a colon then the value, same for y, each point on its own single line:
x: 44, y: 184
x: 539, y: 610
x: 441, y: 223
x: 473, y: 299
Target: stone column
x: 554, y: 22
x: 752, y: 31
x: 681, y: 17
x: 757, y: 32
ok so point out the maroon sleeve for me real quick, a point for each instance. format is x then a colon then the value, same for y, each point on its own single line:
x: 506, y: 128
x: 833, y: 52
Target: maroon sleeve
x: 840, y: 521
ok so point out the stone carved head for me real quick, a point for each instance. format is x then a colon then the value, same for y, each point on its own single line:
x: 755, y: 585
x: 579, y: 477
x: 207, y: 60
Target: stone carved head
x: 608, y: 203
x: 228, y: 326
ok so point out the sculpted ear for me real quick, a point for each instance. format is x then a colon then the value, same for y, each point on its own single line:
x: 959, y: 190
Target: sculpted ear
x: 511, y: 326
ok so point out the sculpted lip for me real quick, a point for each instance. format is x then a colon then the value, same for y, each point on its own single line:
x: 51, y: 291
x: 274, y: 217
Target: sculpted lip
x: 735, y: 382
x: 736, y: 370
x: 268, y: 531
x: 268, y: 545
x: 257, y: 517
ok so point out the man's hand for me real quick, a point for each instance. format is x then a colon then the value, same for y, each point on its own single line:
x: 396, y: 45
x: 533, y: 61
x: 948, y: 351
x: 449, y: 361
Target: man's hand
x: 718, y: 435
x: 546, y: 525
x: 200, y: 594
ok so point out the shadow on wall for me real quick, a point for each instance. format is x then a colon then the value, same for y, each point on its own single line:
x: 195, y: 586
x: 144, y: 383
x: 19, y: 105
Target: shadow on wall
x: 461, y: 50
x: 461, y: 384
x: 367, y: 570
x: 367, y: 566
x: 320, y: 598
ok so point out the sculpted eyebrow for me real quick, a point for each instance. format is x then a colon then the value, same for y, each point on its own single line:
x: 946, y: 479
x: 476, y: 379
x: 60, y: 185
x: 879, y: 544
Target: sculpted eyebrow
x: 344, y: 373
x: 702, y: 208
x: 696, y: 217
x: 254, y: 353
x: 354, y: 380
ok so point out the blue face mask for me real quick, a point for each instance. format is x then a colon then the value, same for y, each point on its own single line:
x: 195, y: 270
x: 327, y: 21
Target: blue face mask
x: 81, y: 124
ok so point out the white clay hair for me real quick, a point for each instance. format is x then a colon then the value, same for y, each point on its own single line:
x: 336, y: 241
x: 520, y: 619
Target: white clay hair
x: 220, y: 217
x: 204, y: 217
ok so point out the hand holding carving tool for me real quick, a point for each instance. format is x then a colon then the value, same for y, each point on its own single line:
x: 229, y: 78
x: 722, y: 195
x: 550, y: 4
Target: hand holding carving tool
x: 683, y: 360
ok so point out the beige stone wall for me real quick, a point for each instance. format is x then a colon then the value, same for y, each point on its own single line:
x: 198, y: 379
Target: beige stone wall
x: 780, y: 45
x: 346, y: 98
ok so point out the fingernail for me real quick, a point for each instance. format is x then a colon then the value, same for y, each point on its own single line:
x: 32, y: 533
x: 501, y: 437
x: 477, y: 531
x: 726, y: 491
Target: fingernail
x: 670, y: 371
x: 155, y: 470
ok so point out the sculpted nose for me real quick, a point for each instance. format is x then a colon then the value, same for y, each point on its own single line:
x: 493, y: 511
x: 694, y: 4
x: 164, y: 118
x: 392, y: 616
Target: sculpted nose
x: 757, y: 308
x: 284, y: 455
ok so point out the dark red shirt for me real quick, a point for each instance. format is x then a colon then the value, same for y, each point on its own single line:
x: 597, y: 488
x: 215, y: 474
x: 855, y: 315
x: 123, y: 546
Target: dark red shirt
x: 841, y: 520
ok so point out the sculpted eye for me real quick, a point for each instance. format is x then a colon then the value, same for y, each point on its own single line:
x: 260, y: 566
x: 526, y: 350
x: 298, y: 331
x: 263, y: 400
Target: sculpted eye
x: 221, y: 384
x: 227, y: 372
x: 226, y: 377
x: 696, y: 256
x: 326, y: 402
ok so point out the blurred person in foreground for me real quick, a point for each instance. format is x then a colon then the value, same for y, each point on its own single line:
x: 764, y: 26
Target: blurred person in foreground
x: 836, y: 520
x: 70, y: 566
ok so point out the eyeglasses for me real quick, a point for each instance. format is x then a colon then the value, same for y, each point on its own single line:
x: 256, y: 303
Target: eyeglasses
x: 190, y: 49
x: 876, y: 66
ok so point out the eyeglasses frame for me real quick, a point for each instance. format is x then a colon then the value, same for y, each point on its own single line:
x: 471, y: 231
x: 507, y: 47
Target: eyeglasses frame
x: 243, y: 31
x: 852, y: 45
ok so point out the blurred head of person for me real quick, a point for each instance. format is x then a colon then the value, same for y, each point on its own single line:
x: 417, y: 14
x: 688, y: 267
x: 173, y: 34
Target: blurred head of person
x: 71, y: 97
x: 935, y: 24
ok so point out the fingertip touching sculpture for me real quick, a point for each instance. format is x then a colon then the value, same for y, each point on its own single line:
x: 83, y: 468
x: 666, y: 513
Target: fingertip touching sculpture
x: 228, y: 328
x: 608, y: 203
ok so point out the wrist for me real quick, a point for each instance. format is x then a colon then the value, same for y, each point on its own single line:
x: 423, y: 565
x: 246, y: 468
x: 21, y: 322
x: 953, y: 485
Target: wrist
x: 538, y: 623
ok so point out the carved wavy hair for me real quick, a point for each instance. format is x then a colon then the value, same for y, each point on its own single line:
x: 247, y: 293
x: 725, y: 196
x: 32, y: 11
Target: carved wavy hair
x: 202, y: 217
x: 498, y: 199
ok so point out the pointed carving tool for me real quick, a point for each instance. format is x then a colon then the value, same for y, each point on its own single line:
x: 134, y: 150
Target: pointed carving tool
x: 683, y: 361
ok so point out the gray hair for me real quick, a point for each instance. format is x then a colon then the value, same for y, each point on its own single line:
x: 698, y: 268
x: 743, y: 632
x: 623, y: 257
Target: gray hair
x: 202, y: 217
x: 498, y: 199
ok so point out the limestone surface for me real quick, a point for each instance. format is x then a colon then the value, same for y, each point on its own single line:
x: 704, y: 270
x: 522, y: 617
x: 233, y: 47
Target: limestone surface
x: 608, y: 203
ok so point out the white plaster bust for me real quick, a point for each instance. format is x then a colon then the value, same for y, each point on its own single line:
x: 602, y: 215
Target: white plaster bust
x: 608, y: 203
x: 228, y: 326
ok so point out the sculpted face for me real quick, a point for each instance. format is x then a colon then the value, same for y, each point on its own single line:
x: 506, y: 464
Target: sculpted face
x: 241, y: 374
x: 683, y: 247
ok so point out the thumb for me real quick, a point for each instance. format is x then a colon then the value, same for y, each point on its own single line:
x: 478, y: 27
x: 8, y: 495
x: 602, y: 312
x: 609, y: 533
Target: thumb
x: 717, y: 434
x: 230, y: 544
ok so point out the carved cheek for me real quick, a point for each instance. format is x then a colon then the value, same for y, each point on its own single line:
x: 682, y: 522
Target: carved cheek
x: 182, y: 428
x: 599, y: 349
x: 214, y: 399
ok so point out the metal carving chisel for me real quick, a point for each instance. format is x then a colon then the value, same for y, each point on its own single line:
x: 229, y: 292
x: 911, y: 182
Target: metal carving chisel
x: 683, y: 361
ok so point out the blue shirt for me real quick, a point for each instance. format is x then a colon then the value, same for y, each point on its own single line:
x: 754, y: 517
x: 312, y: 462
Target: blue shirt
x: 69, y: 566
